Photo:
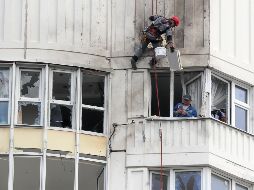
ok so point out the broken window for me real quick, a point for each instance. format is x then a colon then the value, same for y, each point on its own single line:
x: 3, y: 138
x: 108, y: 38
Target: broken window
x: 188, y: 180
x: 163, y: 94
x: 219, y: 183
x: 91, y: 176
x: 241, y: 107
x: 4, y: 168
x: 61, y: 100
x: 30, y: 84
x: 60, y: 173
x: 61, y: 116
x: 4, y: 96
x: 30, y: 98
x: 156, y: 183
x: 26, y: 173
x: 29, y: 113
x: 182, y: 83
x: 220, y: 99
x: 93, y: 102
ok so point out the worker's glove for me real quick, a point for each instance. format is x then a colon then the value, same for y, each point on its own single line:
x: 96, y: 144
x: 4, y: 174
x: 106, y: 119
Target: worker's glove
x: 145, y: 29
x: 172, y: 49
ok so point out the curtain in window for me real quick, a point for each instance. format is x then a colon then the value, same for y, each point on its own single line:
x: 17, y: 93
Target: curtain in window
x: 219, y: 94
x: 194, y: 89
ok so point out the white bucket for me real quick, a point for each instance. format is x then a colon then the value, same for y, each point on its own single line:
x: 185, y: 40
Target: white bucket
x: 160, y: 52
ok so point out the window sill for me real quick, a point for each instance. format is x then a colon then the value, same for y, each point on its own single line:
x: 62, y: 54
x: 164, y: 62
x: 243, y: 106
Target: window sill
x: 92, y: 133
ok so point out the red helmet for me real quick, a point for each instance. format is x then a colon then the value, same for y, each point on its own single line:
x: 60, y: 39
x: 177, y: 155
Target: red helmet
x: 176, y: 20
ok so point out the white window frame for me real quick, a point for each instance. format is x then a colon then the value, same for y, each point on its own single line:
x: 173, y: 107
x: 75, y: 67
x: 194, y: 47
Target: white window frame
x: 229, y: 114
x: 9, y: 68
x: 238, y: 103
x: 26, y: 99
x: 89, y: 107
x: 158, y: 173
x: 62, y: 102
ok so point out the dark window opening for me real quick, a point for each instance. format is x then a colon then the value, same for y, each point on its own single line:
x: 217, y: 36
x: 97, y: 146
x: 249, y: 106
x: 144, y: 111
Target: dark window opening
x: 163, y: 92
x: 93, y: 90
x: 4, y: 172
x: 60, y: 116
x: 29, y: 113
x: 62, y: 86
x: 92, y: 120
x: 156, y: 183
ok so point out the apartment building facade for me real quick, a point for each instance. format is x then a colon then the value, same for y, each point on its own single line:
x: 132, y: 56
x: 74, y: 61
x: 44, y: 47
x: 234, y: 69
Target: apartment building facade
x: 74, y: 115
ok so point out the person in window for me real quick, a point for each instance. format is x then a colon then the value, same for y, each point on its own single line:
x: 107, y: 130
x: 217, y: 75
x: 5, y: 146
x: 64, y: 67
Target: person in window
x: 160, y: 25
x: 185, y: 109
x: 219, y: 114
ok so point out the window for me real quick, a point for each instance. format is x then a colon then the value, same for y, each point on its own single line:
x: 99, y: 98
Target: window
x: 188, y: 180
x: 241, y: 108
x: 29, y: 97
x: 93, y: 102
x: 4, y: 95
x: 26, y: 173
x: 171, y: 87
x: 61, y: 99
x: 239, y: 187
x: 4, y: 165
x: 219, y: 183
x: 60, y: 173
x: 156, y: 183
x: 91, y: 176
x: 220, y: 99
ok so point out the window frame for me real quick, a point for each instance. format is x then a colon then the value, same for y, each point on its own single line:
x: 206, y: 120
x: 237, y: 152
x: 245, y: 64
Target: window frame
x: 223, y: 177
x: 242, y: 105
x: 229, y: 110
x: 201, y: 74
x: 90, y: 107
x: 71, y: 103
x: 9, y: 99
x: 19, y: 98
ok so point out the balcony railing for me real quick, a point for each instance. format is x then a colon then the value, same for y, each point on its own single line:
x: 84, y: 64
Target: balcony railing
x: 203, y: 136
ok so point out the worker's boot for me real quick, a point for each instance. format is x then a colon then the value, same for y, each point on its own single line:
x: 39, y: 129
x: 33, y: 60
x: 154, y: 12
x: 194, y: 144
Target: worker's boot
x: 134, y: 62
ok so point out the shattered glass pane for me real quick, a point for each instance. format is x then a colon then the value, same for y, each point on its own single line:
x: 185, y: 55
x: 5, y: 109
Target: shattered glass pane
x: 3, y: 112
x: 93, y: 90
x: 92, y: 120
x: 4, y: 83
x: 188, y: 180
x: 29, y: 113
x: 60, y: 116
x: 62, y: 86
x: 30, y: 84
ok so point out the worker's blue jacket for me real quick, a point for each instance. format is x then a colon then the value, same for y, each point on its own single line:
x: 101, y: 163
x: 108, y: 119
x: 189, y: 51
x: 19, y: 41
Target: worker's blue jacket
x: 191, y: 111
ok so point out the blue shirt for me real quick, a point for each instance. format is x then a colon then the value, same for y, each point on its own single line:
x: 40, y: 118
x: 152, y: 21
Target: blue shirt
x: 191, y: 111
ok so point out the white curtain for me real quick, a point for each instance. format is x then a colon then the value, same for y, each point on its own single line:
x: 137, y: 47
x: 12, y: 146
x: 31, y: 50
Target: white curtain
x: 194, y: 89
x: 219, y: 94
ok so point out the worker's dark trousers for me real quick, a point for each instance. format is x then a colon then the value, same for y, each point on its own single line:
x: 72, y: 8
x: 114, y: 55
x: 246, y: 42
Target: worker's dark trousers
x: 143, y: 46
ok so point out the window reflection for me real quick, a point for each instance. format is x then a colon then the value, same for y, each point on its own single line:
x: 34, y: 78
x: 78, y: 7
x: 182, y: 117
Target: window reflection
x: 188, y: 180
x: 241, y: 118
x: 3, y: 112
x: 241, y: 94
x: 156, y: 181
x: 219, y: 183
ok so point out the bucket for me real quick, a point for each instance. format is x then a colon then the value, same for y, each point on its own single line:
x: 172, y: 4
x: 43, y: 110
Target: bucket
x: 160, y: 52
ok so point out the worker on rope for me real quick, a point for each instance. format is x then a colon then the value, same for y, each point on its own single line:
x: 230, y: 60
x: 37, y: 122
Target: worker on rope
x: 160, y: 25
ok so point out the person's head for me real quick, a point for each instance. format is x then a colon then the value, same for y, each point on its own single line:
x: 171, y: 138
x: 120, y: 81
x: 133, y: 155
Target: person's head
x: 174, y: 21
x: 186, y: 99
